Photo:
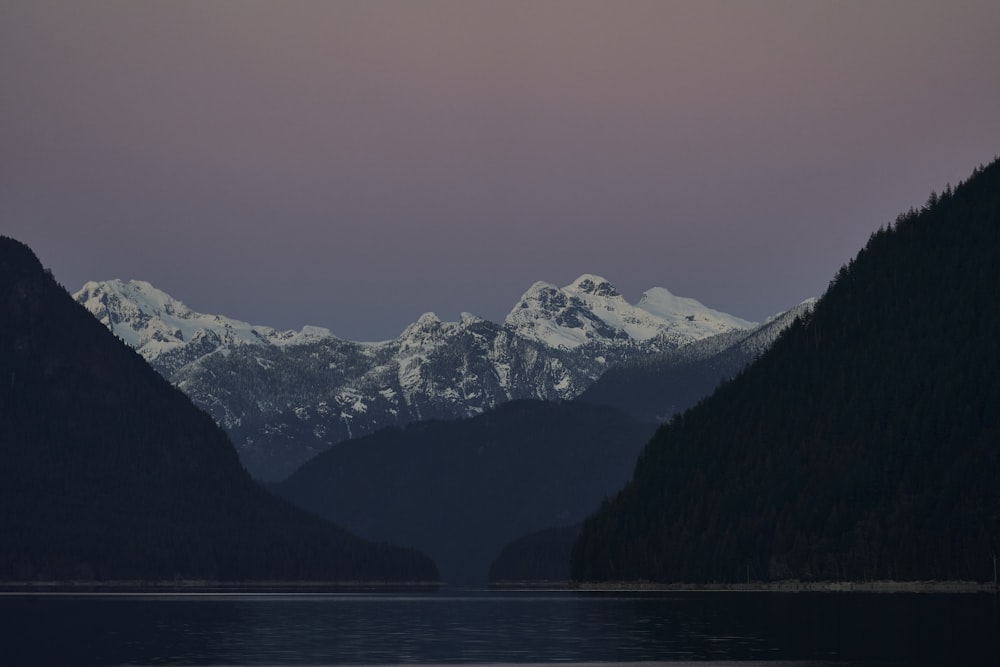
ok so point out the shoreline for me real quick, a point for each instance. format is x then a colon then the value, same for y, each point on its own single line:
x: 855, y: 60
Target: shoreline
x: 207, y: 586
x: 787, y: 586
x: 318, y: 587
x: 794, y: 586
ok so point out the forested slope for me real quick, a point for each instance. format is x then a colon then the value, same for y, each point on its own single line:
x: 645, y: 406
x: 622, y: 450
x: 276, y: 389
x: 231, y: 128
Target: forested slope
x: 864, y: 445
x: 542, y: 556
x: 110, y: 473
x: 460, y: 490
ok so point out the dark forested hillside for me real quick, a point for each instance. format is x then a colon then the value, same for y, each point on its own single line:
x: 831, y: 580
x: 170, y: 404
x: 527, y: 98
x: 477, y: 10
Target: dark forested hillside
x: 657, y: 387
x: 864, y: 445
x: 542, y: 556
x: 461, y: 490
x: 110, y: 473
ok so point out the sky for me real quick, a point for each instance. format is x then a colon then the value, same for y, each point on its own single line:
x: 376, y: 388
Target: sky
x: 355, y: 164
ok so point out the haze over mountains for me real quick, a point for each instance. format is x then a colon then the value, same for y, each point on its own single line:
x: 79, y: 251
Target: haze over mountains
x: 284, y: 396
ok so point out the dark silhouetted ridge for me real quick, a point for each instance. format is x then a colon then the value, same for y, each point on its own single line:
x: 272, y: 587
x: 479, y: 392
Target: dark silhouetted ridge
x: 460, y: 490
x: 864, y: 445
x: 109, y: 473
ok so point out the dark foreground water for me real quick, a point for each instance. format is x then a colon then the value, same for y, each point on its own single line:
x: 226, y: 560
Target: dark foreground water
x: 499, y: 627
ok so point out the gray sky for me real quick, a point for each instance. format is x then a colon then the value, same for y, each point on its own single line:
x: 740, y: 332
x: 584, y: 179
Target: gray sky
x: 354, y: 164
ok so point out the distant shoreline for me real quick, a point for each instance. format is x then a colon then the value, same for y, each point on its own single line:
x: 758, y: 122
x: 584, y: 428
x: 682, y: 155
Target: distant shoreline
x: 793, y: 586
x: 306, y: 587
x: 205, y: 586
x: 790, y: 586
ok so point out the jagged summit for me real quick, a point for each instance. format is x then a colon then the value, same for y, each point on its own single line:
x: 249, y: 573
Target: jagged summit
x: 425, y: 322
x: 155, y: 323
x: 592, y: 310
x: 589, y: 283
x: 588, y: 310
x: 425, y: 332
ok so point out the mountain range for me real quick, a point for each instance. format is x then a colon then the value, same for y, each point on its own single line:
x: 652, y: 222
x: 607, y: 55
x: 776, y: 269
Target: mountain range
x: 861, y: 443
x: 284, y: 396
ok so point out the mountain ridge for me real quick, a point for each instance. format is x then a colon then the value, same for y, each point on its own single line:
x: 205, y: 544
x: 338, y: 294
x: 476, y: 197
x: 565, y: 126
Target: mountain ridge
x: 863, y: 445
x: 110, y: 473
x: 459, y: 490
x: 155, y: 322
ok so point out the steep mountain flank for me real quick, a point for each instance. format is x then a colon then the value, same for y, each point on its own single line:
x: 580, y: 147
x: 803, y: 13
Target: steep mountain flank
x: 110, y: 473
x: 656, y: 387
x: 865, y: 444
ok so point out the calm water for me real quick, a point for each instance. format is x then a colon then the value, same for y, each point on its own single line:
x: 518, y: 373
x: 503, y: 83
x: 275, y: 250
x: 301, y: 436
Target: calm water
x: 498, y: 627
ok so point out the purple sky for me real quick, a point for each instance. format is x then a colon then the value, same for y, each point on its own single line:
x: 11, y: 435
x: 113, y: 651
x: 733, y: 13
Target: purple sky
x: 354, y: 164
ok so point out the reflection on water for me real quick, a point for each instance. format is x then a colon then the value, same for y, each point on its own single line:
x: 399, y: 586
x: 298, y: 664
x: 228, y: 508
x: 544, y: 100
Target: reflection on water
x: 451, y: 627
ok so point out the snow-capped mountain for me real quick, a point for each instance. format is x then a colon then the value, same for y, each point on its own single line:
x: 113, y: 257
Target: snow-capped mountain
x: 591, y: 309
x: 283, y: 396
x: 167, y: 333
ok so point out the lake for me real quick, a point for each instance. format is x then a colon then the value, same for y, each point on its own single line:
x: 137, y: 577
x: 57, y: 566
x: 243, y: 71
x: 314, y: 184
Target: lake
x: 472, y: 626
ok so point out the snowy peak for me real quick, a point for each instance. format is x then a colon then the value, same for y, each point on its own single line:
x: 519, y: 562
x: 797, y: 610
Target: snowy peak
x: 423, y: 334
x: 144, y: 317
x: 558, y: 318
x: 689, y: 313
x: 588, y: 283
x: 154, y: 323
x: 592, y: 310
x: 588, y: 310
x: 426, y: 321
x: 661, y: 301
